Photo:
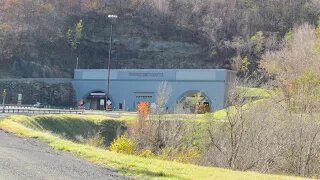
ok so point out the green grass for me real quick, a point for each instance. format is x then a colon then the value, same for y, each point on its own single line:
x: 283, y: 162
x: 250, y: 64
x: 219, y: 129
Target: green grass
x: 217, y: 116
x: 257, y: 92
x: 125, y: 164
x: 254, y: 95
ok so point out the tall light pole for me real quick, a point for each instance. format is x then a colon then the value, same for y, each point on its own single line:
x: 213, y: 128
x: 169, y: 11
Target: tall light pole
x: 111, y: 17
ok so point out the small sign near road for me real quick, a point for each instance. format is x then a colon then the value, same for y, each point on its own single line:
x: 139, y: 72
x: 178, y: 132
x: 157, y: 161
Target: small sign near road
x: 19, y: 99
x: 101, y: 102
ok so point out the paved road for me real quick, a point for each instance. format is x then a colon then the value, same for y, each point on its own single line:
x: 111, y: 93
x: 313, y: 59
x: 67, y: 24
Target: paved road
x: 2, y: 116
x: 29, y: 159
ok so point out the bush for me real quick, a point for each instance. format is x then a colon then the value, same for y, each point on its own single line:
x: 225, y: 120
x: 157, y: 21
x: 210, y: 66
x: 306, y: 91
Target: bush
x: 165, y: 154
x: 147, y: 153
x: 123, y: 144
x: 96, y: 141
x: 182, y: 154
x: 187, y: 155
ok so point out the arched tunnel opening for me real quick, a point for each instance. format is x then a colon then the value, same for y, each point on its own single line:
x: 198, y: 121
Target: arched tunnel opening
x: 97, y: 100
x: 195, y: 102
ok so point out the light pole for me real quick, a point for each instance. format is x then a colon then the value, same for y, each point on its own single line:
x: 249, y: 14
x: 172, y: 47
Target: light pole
x: 110, y: 16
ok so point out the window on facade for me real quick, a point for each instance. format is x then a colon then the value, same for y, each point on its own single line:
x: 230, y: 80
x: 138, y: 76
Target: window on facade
x: 144, y: 97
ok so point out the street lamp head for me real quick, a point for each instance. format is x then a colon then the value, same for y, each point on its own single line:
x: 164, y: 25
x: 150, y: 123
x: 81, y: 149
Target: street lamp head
x: 112, y: 16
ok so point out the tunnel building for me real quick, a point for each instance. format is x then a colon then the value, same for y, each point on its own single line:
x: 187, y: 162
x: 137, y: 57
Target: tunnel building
x: 128, y: 87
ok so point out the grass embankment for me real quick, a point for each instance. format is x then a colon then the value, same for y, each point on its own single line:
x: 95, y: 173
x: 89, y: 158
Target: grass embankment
x: 77, y: 128
x: 253, y: 95
x: 125, y: 164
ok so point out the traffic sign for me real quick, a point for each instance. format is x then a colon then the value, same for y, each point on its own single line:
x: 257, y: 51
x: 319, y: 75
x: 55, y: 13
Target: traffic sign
x: 109, y: 102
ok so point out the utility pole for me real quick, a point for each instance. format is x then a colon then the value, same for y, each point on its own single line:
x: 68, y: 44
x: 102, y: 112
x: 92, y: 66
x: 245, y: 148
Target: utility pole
x: 111, y: 16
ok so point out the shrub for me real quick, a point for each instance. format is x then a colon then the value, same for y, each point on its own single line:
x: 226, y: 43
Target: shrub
x: 147, y: 153
x: 165, y: 154
x: 123, y: 144
x: 187, y: 155
x: 182, y: 154
x: 96, y: 141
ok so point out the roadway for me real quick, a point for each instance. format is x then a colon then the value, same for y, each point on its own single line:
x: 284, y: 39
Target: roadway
x: 22, y: 158
x: 3, y: 115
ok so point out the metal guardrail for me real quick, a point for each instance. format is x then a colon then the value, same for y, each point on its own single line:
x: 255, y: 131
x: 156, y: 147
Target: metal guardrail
x: 39, y: 111
x: 35, y: 106
x: 30, y: 109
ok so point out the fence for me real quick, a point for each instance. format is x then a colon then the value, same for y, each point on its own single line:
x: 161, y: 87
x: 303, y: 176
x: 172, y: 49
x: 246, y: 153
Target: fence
x: 29, y: 110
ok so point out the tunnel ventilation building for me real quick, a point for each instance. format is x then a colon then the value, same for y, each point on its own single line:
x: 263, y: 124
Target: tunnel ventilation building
x: 128, y: 87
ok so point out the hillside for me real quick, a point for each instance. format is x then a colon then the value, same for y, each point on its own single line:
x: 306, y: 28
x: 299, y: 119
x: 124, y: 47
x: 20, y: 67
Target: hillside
x: 44, y: 38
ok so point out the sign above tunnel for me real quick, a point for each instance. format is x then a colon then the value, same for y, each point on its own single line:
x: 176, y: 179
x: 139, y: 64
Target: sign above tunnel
x: 97, y: 94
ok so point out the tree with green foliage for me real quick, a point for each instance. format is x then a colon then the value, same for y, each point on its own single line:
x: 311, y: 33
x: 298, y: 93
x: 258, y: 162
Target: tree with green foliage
x: 74, y: 35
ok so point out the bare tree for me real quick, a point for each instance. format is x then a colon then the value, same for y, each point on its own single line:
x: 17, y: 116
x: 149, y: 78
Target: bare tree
x: 163, y: 95
x: 298, y: 57
x: 244, y: 138
x: 294, y: 68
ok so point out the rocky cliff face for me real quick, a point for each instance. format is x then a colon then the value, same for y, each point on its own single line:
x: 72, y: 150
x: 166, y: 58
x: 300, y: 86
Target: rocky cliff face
x: 136, y: 44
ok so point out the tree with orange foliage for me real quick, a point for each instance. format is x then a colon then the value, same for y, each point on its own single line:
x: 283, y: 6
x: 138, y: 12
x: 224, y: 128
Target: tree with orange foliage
x: 143, y: 109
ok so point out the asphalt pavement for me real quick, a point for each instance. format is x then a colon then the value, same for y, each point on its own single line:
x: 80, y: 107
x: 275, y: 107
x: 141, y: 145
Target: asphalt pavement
x: 28, y: 159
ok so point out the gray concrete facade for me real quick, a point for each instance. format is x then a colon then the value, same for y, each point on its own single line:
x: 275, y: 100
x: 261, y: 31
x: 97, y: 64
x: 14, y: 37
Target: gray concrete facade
x: 130, y: 86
